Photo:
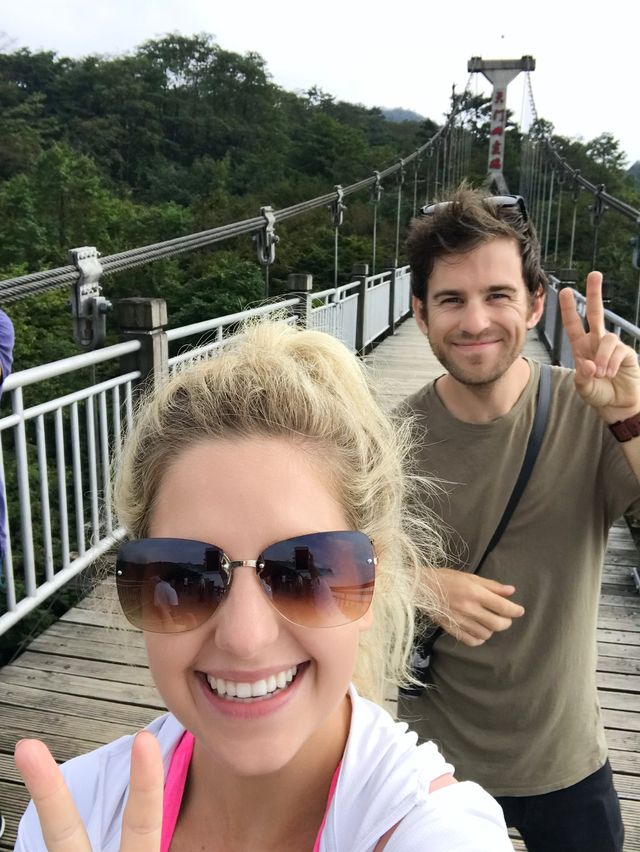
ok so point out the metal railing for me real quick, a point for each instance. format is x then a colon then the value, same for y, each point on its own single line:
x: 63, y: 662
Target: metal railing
x: 57, y: 450
x: 552, y: 332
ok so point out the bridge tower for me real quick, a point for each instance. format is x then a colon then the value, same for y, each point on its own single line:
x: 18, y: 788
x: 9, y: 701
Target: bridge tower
x: 499, y: 72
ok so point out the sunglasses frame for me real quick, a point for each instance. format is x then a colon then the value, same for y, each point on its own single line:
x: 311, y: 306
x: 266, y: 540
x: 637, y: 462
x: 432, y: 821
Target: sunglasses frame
x: 227, y: 566
x: 498, y: 201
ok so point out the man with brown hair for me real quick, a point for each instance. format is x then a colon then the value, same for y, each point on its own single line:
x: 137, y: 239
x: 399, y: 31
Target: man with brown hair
x: 513, y: 701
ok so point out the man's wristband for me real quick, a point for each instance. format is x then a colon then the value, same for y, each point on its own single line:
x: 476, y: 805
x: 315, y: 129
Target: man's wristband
x: 625, y: 430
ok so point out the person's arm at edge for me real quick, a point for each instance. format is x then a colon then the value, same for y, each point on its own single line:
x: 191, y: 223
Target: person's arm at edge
x: 607, y: 375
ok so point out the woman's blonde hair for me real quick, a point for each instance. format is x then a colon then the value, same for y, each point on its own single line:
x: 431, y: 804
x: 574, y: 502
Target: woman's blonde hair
x: 275, y: 380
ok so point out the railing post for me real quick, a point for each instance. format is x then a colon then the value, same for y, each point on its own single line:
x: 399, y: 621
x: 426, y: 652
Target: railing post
x: 566, y: 278
x: 359, y: 273
x: 392, y: 299
x: 300, y: 285
x: 144, y: 319
x: 556, y: 340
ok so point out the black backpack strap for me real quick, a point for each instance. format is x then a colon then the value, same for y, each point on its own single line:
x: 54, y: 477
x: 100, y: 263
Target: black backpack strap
x: 534, y: 443
x: 538, y: 427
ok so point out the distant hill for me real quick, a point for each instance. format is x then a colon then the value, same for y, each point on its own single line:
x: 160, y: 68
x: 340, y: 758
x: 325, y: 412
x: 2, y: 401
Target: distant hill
x: 634, y: 171
x: 400, y: 114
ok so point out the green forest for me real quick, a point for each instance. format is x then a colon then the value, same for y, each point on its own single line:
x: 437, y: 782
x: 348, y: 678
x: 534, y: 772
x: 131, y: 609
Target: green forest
x: 181, y: 136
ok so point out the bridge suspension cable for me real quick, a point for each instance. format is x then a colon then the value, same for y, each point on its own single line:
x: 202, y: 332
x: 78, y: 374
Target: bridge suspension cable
x: 557, y: 162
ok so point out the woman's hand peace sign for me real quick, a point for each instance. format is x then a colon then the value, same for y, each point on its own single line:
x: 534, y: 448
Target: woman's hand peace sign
x: 607, y: 372
x: 60, y: 822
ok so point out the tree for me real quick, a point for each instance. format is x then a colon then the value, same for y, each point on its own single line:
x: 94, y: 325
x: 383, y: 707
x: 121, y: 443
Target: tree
x: 605, y: 150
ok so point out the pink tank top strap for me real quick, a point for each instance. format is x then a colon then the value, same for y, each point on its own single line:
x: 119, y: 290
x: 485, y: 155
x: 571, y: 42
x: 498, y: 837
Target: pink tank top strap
x: 332, y: 790
x: 174, y: 788
x: 174, y: 791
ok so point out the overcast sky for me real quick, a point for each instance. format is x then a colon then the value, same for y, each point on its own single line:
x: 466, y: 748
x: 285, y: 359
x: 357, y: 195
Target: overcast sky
x: 405, y: 54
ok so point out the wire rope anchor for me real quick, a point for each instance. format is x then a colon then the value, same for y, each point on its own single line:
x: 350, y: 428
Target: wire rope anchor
x: 577, y: 189
x: 598, y: 207
x: 266, y: 239
x: 401, y: 172
x: 376, y: 188
x: 338, y: 207
x: 88, y: 307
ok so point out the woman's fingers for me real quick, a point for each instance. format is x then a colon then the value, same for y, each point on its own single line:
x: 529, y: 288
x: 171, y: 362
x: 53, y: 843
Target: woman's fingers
x: 142, y: 821
x: 60, y: 822
x: 62, y: 828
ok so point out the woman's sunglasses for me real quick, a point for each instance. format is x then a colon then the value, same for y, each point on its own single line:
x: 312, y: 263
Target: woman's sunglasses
x: 169, y: 585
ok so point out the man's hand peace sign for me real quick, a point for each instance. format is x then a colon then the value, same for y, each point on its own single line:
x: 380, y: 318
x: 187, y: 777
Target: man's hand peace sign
x: 607, y: 373
x: 60, y: 822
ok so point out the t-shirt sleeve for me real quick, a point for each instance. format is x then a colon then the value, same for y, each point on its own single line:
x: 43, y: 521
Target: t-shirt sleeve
x: 458, y: 818
x: 6, y: 345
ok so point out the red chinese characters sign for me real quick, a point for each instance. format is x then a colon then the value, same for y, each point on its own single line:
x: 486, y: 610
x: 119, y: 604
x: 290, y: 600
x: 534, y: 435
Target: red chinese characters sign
x: 498, y: 124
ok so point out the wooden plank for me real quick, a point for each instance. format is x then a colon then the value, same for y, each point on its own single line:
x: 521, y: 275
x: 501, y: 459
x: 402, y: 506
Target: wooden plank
x: 99, y: 669
x: 621, y: 719
x: 82, y: 686
x: 32, y: 722
x: 15, y: 799
x: 123, y: 712
x: 623, y: 740
x: 61, y: 747
x: 619, y: 701
x: 106, y: 635
x: 618, y: 664
x: 52, y: 644
x: 627, y: 652
x: 627, y: 786
x: 621, y: 682
x: 8, y: 771
x: 624, y: 761
x: 114, y: 621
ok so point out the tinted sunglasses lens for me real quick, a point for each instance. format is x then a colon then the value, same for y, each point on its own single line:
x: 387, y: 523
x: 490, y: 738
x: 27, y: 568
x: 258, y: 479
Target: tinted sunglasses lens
x: 320, y: 580
x: 168, y: 585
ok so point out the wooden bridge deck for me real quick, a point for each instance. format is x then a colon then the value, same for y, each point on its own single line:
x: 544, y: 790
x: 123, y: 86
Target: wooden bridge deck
x: 84, y: 682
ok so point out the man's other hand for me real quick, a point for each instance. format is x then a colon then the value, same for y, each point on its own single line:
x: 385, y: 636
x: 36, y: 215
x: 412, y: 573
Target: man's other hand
x: 475, y: 607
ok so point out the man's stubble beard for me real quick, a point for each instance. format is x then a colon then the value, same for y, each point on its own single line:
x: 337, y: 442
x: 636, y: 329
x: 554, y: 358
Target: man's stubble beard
x: 471, y: 379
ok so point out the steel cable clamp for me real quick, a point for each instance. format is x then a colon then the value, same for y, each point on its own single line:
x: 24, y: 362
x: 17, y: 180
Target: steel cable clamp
x: 88, y: 307
x: 266, y: 239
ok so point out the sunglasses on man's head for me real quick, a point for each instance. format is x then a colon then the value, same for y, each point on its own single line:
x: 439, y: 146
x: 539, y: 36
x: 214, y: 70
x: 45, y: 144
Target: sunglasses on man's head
x: 170, y: 585
x: 496, y: 200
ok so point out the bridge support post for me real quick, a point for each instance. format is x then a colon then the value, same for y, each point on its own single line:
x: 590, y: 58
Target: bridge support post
x: 359, y: 273
x: 300, y: 285
x: 392, y: 299
x: 566, y: 278
x: 145, y: 319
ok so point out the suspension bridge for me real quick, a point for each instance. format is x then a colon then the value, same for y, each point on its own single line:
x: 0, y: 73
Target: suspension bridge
x: 81, y: 683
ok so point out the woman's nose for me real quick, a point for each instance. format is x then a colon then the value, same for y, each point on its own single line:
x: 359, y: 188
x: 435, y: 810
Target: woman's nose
x: 246, y: 622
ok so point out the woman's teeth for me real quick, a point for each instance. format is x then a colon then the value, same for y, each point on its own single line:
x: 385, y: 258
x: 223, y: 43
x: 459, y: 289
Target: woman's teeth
x: 233, y: 690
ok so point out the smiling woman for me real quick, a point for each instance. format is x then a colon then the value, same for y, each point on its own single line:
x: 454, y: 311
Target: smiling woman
x: 275, y: 576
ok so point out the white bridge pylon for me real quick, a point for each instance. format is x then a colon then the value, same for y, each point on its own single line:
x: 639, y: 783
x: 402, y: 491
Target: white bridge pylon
x: 499, y: 72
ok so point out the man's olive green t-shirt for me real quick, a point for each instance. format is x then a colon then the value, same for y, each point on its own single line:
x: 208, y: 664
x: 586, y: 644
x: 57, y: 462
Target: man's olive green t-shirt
x: 520, y: 713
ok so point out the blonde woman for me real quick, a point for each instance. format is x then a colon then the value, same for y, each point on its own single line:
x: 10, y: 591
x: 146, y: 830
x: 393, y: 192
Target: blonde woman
x: 266, y: 489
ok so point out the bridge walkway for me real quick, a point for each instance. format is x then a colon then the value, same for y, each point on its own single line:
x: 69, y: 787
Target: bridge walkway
x: 83, y: 682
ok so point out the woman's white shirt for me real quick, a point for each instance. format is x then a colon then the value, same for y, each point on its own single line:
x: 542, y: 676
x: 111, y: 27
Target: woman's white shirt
x: 384, y: 780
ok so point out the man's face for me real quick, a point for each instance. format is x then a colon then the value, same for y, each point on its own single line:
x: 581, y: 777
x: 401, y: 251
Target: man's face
x: 478, y: 311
